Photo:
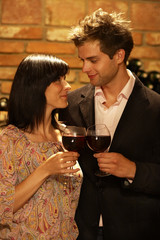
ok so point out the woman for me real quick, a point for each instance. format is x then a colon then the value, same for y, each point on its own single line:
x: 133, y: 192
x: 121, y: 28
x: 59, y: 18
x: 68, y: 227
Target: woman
x: 38, y: 199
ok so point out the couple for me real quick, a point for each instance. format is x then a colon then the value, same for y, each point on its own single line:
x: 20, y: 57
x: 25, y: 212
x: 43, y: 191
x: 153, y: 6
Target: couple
x: 124, y: 205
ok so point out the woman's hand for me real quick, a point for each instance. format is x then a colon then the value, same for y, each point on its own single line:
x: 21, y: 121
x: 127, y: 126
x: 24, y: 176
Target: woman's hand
x: 61, y: 163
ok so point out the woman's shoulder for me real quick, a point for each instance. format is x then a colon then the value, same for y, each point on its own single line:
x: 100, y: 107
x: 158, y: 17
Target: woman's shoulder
x: 10, y: 131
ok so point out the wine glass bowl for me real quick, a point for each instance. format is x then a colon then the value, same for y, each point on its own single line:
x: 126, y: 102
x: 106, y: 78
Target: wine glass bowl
x: 73, y: 138
x: 98, y: 140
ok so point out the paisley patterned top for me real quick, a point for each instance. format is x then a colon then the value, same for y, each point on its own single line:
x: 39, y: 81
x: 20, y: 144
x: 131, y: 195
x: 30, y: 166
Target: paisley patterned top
x: 49, y: 213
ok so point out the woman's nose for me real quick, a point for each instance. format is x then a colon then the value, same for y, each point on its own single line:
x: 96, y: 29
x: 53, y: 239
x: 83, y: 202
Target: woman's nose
x: 67, y: 86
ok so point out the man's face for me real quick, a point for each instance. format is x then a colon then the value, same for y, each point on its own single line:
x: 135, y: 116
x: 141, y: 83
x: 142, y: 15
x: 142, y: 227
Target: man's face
x: 100, y: 69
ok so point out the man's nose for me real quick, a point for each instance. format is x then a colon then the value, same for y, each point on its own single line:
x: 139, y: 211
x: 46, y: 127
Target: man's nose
x: 86, y: 67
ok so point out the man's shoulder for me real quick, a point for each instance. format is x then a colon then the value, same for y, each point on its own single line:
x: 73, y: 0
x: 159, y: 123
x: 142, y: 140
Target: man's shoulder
x: 150, y: 94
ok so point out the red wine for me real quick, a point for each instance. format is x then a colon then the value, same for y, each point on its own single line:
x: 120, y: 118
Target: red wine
x: 72, y: 143
x: 98, y: 143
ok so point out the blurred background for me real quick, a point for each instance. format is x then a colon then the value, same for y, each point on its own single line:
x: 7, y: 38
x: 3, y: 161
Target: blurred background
x: 42, y: 26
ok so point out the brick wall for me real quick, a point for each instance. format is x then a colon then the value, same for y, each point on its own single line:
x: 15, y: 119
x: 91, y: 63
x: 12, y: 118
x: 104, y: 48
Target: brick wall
x: 31, y: 26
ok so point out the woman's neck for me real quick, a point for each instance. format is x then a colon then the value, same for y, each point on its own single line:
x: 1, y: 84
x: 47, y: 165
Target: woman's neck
x: 44, y: 133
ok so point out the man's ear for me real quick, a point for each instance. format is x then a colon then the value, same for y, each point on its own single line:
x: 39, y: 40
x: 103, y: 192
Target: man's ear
x: 120, y: 55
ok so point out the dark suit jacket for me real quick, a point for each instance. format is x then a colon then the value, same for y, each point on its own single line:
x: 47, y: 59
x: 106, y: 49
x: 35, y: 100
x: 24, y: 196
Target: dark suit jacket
x: 129, y: 211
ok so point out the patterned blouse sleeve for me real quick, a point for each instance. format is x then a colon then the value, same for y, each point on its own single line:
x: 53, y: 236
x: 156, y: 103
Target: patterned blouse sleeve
x: 7, y: 180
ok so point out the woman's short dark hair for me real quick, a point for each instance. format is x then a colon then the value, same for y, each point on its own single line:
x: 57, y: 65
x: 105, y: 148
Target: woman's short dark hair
x: 27, y: 101
x: 111, y: 30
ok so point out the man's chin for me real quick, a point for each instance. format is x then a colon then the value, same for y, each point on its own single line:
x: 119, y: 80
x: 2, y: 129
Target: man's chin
x: 95, y: 83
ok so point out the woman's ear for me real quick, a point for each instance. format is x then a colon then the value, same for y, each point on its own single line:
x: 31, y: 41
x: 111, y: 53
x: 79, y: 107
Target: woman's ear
x: 120, y: 55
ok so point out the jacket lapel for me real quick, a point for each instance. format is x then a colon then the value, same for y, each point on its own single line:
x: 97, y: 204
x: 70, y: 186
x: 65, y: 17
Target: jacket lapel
x: 131, y: 116
x: 86, y: 105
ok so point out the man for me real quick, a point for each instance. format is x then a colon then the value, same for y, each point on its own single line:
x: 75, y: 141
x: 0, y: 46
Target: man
x: 127, y: 203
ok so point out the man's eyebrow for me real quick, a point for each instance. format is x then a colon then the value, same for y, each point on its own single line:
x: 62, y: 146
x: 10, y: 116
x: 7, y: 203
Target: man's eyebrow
x: 88, y: 58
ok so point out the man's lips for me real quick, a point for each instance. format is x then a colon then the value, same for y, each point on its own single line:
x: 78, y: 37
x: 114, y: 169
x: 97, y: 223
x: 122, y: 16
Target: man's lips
x: 92, y: 76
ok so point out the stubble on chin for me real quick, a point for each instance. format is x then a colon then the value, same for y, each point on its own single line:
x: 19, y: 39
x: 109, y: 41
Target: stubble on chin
x: 95, y: 83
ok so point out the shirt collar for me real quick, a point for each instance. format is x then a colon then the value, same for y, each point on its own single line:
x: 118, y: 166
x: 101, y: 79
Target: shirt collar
x: 126, y: 91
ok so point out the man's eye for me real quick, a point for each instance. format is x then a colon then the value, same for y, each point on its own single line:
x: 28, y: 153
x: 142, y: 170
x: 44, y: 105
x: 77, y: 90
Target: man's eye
x: 93, y: 61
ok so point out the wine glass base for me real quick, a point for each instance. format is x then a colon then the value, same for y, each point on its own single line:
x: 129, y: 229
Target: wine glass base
x: 102, y: 174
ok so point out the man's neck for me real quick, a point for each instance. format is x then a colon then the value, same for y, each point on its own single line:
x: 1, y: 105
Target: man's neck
x: 112, y: 89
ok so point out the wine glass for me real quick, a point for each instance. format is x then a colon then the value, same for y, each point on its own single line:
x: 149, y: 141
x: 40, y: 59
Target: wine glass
x: 98, y: 140
x: 73, y: 139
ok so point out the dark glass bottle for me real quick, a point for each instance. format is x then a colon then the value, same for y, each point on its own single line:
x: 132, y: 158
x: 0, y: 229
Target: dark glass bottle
x: 134, y: 65
x: 143, y: 76
x: 154, y: 78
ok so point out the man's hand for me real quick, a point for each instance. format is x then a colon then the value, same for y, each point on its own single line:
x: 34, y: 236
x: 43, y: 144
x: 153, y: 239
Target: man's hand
x: 116, y: 164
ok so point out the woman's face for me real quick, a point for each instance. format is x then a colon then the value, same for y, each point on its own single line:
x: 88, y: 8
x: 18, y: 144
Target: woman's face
x: 56, y: 94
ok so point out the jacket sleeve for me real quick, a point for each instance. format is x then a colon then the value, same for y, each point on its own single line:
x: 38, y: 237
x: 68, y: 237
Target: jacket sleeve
x: 147, y: 178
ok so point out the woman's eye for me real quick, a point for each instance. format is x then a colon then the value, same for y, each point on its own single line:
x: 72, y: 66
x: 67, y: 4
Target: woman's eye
x: 58, y: 81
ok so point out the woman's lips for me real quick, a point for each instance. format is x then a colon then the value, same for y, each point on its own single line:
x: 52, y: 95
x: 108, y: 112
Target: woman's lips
x: 64, y: 96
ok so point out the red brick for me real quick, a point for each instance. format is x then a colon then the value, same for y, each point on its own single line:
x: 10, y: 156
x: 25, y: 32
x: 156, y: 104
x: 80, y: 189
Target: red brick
x: 6, y: 87
x: 145, y: 16
x: 57, y: 34
x: 64, y: 13
x: 16, y: 32
x: 73, y: 62
x: 153, y: 38
x: 7, y: 72
x: 71, y: 77
x: 55, y: 48
x: 21, y: 12
x: 151, y: 65
x: 109, y: 6
x: 9, y: 47
x: 11, y: 60
x: 146, y: 52
x: 137, y: 38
